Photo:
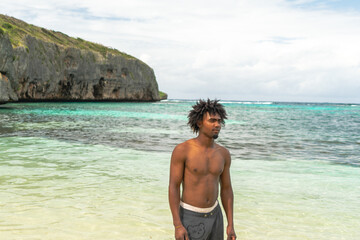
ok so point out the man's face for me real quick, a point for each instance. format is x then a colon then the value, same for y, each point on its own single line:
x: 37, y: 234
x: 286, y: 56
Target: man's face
x: 210, y: 125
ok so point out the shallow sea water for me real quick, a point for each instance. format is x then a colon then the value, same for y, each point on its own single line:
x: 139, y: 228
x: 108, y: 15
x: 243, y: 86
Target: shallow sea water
x: 100, y: 170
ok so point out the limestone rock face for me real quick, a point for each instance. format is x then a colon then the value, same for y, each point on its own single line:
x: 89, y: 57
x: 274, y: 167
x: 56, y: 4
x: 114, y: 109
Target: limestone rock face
x: 44, y: 71
x: 6, y: 68
x: 6, y: 92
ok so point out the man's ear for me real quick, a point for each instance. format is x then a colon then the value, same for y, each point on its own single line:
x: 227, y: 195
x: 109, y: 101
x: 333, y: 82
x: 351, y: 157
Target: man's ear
x: 199, y: 123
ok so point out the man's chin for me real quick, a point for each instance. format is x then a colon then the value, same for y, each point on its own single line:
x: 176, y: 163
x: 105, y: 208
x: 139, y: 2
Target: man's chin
x: 215, y: 136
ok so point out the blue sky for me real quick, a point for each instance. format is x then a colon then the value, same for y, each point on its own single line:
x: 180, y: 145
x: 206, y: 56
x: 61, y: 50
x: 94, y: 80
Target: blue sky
x: 258, y: 50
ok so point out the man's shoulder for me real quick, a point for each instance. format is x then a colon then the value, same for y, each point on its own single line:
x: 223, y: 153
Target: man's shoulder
x: 223, y: 149
x: 187, y: 143
x: 181, y: 150
x: 184, y: 145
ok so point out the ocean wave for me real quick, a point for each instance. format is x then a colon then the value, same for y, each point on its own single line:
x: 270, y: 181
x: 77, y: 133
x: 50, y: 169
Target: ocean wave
x: 245, y: 102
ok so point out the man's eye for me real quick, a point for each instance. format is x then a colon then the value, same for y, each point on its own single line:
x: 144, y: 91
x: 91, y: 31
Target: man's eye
x: 214, y: 120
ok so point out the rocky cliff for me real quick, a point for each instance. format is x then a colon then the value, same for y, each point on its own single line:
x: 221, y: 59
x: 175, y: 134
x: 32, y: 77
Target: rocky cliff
x: 45, y: 67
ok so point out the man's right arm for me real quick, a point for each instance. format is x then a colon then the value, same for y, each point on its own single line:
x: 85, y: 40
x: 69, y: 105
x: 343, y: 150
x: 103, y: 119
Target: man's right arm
x: 177, y: 167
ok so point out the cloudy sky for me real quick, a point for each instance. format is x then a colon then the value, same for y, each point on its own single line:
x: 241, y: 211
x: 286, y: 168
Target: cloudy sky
x: 258, y: 50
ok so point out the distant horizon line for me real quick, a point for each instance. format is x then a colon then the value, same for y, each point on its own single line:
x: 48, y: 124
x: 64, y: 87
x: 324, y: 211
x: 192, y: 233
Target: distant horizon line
x: 260, y: 101
x: 263, y: 102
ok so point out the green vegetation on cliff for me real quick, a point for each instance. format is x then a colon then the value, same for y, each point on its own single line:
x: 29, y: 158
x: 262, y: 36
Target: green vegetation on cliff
x: 162, y: 95
x: 17, y: 31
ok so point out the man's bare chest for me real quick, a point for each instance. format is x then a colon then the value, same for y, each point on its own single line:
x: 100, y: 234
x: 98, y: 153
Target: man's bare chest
x: 205, y: 162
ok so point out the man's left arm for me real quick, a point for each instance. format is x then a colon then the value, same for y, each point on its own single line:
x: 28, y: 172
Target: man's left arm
x: 227, y: 196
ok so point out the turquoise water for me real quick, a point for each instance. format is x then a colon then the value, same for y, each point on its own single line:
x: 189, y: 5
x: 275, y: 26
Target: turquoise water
x: 100, y: 170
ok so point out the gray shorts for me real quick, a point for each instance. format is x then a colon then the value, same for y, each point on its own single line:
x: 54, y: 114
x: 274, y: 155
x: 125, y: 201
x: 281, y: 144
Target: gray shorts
x: 203, y: 226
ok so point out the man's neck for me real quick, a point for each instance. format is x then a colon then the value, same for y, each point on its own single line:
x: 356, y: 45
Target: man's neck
x: 205, y: 141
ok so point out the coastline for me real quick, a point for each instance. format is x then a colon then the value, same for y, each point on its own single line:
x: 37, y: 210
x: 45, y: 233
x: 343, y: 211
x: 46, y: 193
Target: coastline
x: 44, y: 65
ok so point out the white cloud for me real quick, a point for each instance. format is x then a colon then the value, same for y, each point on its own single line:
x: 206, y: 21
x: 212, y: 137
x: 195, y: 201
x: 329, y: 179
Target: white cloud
x: 249, y: 50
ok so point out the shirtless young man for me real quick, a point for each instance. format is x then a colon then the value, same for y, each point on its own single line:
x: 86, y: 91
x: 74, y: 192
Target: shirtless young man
x: 199, y: 164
